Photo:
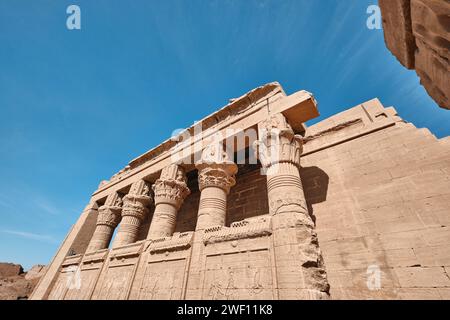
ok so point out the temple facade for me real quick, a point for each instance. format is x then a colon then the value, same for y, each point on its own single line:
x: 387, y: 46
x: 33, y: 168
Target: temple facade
x: 249, y: 203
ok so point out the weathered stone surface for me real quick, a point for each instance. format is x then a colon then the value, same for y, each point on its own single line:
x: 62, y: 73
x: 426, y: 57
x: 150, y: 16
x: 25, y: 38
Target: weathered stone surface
x: 398, y: 31
x: 10, y: 269
x: 15, y: 284
x: 418, y: 33
x: 35, y: 272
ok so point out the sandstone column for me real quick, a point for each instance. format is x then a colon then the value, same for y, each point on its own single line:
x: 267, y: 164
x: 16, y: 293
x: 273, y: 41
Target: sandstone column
x: 135, y: 209
x: 107, y: 221
x: 170, y: 191
x: 300, y: 270
x: 216, y: 177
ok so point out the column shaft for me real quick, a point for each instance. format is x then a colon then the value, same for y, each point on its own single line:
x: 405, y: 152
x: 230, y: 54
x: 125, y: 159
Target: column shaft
x: 101, y: 238
x: 163, y: 222
x: 212, y: 208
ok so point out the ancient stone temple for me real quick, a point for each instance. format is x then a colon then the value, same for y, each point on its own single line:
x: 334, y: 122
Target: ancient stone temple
x: 249, y: 203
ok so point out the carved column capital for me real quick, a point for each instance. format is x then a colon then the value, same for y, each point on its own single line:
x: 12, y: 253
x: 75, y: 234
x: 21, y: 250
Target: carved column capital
x: 136, y: 202
x: 277, y: 142
x: 109, y: 216
x: 171, y: 187
x: 107, y: 220
x: 215, y: 170
x: 109, y: 213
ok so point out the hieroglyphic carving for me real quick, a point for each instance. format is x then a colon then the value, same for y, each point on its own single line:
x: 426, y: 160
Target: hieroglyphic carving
x: 162, y: 270
x: 178, y: 241
x: 257, y: 286
x: 163, y: 280
x: 90, y: 269
x: 238, y: 275
x: 116, y: 283
x: 68, y: 278
x: 248, y: 228
x: 60, y: 287
x: 223, y: 292
x: 117, y: 276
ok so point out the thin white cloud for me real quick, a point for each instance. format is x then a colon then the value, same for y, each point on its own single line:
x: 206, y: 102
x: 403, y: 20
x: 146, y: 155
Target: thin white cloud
x: 47, y: 206
x: 30, y: 235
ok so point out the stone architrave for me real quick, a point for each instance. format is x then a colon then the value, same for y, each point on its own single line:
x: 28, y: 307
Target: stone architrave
x: 135, y: 209
x: 170, y: 191
x: 296, y: 245
x: 215, y: 178
x: 107, y: 221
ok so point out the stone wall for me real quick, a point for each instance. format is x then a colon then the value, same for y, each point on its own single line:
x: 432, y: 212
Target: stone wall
x: 381, y: 199
x: 417, y: 32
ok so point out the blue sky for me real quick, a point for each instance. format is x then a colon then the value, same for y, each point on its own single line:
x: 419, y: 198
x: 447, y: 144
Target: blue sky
x: 77, y: 105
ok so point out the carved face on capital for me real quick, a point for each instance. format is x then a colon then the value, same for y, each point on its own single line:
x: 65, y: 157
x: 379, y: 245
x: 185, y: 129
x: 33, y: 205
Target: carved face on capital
x: 180, y: 175
x: 114, y: 199
x: 214, y: 153
x: 276, y: 126
x: 145, y: 190
x: 173, y: 172
x: 118, y: 202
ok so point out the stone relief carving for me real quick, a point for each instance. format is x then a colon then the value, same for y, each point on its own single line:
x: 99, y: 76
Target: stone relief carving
x: 215, y: 169
x: 163, y: 280
x: 251, y: 278
x: 179, y: 241
x: 257, y: 287
x: 171, y: 187
x: 218, y: 291
x: 109, y: 213
x: 59, y: 289
x: 277, y: 142
x: 115, y: 283
x: 248, y: 228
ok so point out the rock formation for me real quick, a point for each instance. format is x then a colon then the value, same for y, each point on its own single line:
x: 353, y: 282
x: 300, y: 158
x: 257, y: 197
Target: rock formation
x: 417, y: 32
x: 15, y: 284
